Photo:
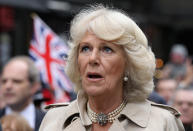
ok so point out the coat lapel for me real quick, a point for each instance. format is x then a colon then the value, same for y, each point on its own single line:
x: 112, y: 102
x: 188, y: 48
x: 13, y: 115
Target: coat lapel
x: 76, y: 125
x: 138, y: 112
x: 116, y: 126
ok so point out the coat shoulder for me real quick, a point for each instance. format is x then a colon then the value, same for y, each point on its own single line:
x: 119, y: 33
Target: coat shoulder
x: 51, y: 106
x: 168, y: 108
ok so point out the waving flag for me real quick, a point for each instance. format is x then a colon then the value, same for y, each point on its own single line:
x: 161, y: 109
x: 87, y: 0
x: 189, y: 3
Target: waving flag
x: 49, y: 53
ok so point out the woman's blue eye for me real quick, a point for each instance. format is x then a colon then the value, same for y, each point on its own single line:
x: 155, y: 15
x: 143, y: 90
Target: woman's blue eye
x: 85, y: 49
x: 107, y: 49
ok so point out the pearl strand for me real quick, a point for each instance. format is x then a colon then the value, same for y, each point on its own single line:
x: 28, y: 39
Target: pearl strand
x: 102, y: 118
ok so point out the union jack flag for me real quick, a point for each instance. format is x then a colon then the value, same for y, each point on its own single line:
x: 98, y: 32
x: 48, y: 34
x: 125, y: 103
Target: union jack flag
x: 49, y: 52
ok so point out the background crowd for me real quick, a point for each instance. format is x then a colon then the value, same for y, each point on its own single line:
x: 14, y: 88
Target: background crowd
x: 174, y: 84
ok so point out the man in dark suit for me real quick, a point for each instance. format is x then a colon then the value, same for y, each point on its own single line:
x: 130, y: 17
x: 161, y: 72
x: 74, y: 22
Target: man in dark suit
x: 19, y: 82
x: 155, y: 97
x: 0, y: 127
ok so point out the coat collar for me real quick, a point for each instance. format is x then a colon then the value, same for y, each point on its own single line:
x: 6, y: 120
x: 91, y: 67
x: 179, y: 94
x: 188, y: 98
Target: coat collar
x: 138, y: 112
x: 82, y: 102
x: 79, y: 107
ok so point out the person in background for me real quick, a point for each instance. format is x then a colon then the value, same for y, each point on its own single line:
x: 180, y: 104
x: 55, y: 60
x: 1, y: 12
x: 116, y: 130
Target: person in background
x: 155, y: 97
x: 176, y: 67
x: 2, y: 102
x: 19, y: 82
x: 0, y: 127
x: 112, y: 68
x: 187, y: 81
x: 183, y: 101
x: 15, y: 122
x: 166, y: 88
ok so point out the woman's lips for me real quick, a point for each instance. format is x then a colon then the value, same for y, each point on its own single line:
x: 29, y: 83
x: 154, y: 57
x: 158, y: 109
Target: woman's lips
x: 93, y: 76
x: 95, y: 79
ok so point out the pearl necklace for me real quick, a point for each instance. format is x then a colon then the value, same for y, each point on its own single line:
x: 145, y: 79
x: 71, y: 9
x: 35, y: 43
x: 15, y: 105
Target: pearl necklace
x: 102, y: 118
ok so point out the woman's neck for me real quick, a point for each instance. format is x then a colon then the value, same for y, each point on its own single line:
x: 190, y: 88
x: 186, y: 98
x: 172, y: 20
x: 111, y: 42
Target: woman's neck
x: 97, y: 127
x: 105, y: 104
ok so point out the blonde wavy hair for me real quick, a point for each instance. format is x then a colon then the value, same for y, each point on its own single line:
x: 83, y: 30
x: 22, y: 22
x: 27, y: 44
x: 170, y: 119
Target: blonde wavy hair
x: 115, y: 26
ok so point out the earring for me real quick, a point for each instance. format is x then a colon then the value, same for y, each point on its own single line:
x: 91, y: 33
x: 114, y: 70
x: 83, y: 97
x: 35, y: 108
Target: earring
x: 125, y: 78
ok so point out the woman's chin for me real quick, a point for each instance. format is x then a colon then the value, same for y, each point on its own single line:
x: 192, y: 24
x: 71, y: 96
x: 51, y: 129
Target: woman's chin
x: 94, y: 93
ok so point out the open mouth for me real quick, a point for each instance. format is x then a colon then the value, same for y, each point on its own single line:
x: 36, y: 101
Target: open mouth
x: 94, y: 76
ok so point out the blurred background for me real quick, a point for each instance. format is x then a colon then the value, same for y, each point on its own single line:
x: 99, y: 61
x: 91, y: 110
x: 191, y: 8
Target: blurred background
x: 165, y: 22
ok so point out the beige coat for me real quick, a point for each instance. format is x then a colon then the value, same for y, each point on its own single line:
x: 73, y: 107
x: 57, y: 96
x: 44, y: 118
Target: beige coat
x: 140, y: 116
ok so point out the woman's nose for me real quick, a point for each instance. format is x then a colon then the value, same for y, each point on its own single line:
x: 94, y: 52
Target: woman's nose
x: 94, y: 57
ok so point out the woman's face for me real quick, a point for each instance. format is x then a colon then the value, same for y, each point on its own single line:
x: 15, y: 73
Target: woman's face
x: 101, y: 65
